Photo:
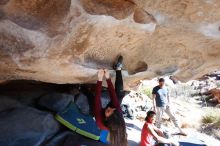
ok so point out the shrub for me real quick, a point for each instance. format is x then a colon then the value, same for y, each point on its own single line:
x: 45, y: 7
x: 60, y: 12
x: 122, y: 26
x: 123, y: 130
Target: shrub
x: 218, y: 85
x: 193, y: 94
x: 211, y: 116
x: 147, y: 91
x: 207, y: 98
x: 218, y: 123
x: 208, y: 119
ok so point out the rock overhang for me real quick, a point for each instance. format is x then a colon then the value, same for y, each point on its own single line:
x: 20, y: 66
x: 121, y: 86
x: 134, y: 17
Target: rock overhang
x: 66, y: 42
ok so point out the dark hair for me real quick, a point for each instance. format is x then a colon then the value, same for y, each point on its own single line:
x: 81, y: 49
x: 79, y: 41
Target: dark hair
x: 117, y: 128
x: 150, y: 114
x: 161, y: 80
x: 111, y: 105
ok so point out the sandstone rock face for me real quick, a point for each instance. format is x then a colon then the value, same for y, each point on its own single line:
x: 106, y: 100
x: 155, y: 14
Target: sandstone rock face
x: 216, y: 94
x: 67, y: 41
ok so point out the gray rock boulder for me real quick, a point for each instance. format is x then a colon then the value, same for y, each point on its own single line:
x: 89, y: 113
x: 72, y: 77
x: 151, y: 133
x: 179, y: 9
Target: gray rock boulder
x: 55, y: 102
x: 26, y: 126
x: 8, y: 103
x: 59, y: 139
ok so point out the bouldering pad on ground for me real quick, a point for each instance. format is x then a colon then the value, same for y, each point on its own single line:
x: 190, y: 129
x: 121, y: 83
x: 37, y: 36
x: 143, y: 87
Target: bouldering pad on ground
x: 192, y: 142
x: 76, y: 121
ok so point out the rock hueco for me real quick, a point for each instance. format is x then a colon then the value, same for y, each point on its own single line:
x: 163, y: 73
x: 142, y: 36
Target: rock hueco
x: 67, y: 41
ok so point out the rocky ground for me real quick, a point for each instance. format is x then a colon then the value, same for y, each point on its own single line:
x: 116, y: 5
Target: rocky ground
x: 189, y: 114
x: 190, y: 103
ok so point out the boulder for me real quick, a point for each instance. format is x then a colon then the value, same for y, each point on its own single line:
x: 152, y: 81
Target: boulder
x: 59, y: 139
x: 136, y: 104
x: 26, y: 92
x: 66, y: 42
x: 83, y: 104
x: 216, y: 94
x: 55, y: 102
x: 86, y: 105
x: 7, y: 103
x: 26, y: 126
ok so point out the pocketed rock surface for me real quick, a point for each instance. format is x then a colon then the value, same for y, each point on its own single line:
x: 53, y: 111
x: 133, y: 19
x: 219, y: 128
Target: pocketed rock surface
x: 67, y: 41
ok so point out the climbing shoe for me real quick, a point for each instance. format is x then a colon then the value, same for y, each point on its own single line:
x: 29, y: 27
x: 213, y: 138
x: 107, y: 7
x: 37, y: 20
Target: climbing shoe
x: 119, y: 63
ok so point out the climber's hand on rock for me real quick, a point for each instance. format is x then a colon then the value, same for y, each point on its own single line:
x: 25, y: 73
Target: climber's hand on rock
x: 107, y: 74
x: 100, y: 74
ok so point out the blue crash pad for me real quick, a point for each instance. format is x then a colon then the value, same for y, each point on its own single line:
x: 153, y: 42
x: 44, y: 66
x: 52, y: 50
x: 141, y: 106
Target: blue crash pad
x: 80, y: 123
x: 191, y: 142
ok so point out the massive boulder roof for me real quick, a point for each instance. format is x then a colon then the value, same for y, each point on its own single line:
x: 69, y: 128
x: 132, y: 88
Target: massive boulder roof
x: 67, y: 41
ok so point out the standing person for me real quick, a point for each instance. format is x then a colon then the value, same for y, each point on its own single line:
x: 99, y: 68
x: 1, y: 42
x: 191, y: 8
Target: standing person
x: 150, y: 133
x: 161, y: 104
x: 111, y: 117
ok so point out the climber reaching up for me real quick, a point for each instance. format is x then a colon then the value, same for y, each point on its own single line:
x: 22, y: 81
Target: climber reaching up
x: 119, y: 86
x: 108, y: 126
x: 111, y: 117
